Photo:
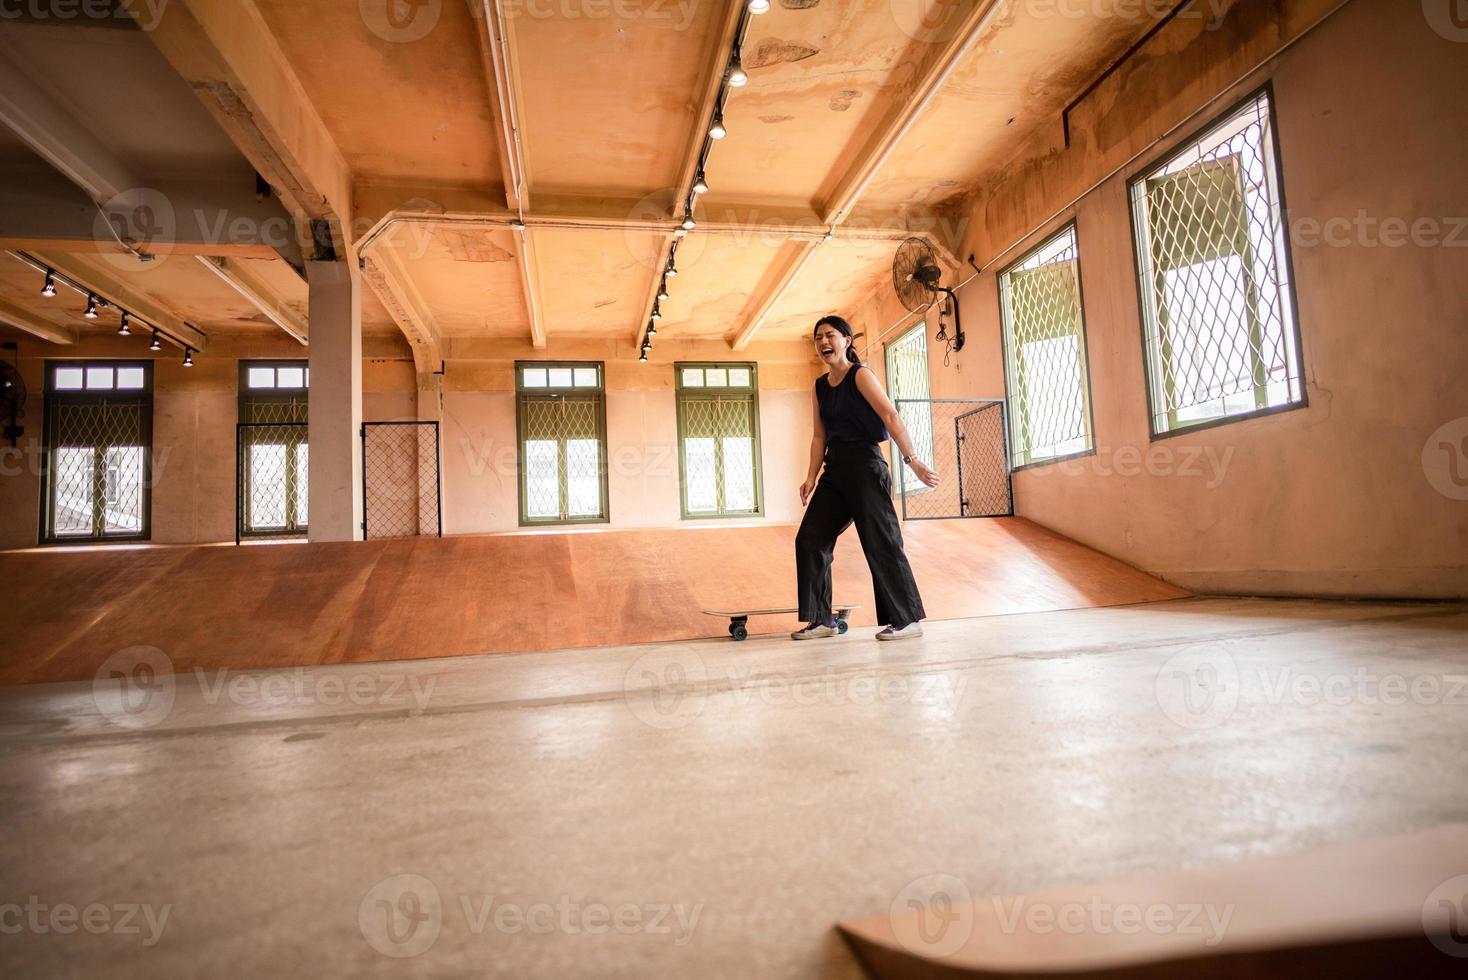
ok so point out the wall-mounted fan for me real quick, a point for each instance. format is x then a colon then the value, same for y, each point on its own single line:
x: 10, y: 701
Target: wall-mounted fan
x: 12, y: 402
x: 918, y: 279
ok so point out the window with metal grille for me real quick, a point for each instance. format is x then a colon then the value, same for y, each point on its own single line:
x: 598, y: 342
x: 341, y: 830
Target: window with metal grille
x: 96, y: 482
x: 718, y: 440
x: 273, y: 448
x: 561, y: 415
x: 908, y: 387
x: 1045, y: 364
x: 1220, y: 329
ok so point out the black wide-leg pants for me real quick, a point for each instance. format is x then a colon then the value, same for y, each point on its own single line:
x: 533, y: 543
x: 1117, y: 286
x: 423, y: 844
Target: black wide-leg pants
x: 856, y: 486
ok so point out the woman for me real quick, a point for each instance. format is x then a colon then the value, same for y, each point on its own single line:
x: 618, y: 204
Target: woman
x: 853, y: 417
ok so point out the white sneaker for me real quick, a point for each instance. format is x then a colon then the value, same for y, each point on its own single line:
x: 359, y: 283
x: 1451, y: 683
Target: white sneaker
x: 814, y: 631
x: 907, y: 632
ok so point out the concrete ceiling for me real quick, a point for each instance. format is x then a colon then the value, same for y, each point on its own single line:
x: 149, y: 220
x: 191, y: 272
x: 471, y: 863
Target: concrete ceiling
x: 430, y: 109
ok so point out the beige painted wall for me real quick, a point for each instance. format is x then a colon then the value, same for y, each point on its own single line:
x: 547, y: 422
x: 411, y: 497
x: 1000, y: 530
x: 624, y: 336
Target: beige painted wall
x: 195, y: 411
x: 194, y: 415
x: 1337, y: 498
x: 479, y: 451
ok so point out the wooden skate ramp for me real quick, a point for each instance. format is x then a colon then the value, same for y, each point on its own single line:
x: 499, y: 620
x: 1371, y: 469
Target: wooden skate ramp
x: 1380, y: 908
x: 303, y: 604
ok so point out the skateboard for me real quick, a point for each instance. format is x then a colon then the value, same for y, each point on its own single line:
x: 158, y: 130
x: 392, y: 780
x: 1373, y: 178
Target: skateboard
x: 739, y: 618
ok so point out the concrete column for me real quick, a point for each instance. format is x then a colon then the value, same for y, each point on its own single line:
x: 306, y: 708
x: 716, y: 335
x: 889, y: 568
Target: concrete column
x: 335, y: 500
x: 430, y: 409
x: 430, y: 405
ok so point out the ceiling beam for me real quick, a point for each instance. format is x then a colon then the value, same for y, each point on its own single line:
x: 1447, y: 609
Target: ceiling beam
x: 116, y: 292
x: 716, y: 65
x: 785, y: 273
x: 712, y: 83
x: 530, y: 284
x: 46, y: 212
x: 934, y: 73
x: 23, y: 319
x: 238, y: 276
x: 858, y: 176
x: 387, y: 276
x: 735, y: 224
x: 225, y: 50
x: 380, y: 206
x: 48, y: 128
x: 501, y: 71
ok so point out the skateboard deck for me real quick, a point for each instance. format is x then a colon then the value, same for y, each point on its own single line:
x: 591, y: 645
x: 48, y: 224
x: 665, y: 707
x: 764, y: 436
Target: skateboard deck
x: 739, y: 618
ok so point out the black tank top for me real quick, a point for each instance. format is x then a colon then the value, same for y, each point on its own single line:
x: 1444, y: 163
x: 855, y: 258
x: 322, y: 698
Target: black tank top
x: 846, y: 413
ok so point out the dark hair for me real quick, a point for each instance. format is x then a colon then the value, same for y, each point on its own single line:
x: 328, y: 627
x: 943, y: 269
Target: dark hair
x: 840, y: 324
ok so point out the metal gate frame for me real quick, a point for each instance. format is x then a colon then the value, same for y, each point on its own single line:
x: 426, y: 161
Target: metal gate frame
x: 958, y: 437
x: 437, y: 466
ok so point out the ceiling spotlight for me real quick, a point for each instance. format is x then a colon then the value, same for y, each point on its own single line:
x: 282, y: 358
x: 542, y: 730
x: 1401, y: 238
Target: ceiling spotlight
x: 688, y: 222
x: 716, y: 129
x: 758, y: 6
x: 643, y: 356
x: 679, y: 232
x: 652, y: 329
x: 663, y: 291
x: 91, y: 313
x: 657, y: 312
x: 737, y: 76
x: 156, y: 344
x: 672, y: 271
x: 188, y: 357
x: 49, y: 289
x: 700, y: 183
x: 124, y: 329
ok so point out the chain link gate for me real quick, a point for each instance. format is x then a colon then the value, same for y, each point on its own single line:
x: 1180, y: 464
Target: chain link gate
x: 969, y: 451
x: 402, y: 494
x: 272, y: 477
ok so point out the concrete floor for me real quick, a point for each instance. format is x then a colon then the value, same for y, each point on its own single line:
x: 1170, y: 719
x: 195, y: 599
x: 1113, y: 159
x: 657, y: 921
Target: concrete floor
x: 737, y: 799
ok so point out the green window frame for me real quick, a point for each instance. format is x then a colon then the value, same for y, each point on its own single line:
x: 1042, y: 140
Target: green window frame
x: 719, y: 453
x: 97, y: 452
x: 273, y: 468
x: 561, y: 432
x: 910, y: 388
x: 1046, y: 360
x: 1220, y: 321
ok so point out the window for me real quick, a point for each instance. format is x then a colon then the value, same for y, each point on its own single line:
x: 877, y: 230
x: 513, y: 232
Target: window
x: 96, y: 482
x: 1045, y: 353
x: 907, y: 378
x: 273, y: 449
x: 718, y: 440
x: 561, y: 414
x: 1219, y: 326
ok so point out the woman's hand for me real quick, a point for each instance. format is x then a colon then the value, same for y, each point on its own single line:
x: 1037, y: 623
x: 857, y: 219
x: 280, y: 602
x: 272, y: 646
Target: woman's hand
x: 924, y: 472
x: 806, y: 489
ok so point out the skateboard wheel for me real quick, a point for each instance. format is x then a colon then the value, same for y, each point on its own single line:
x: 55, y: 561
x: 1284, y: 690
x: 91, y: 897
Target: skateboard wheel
x: 739, y: 632
x: 842, y: 626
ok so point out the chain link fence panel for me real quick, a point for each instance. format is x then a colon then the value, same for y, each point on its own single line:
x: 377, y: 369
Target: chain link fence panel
x: 970, y: 453
x: 401, y: 481
x: 1221, y: 337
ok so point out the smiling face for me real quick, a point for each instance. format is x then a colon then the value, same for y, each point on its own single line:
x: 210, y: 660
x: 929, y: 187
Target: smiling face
x: 831, y: 345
